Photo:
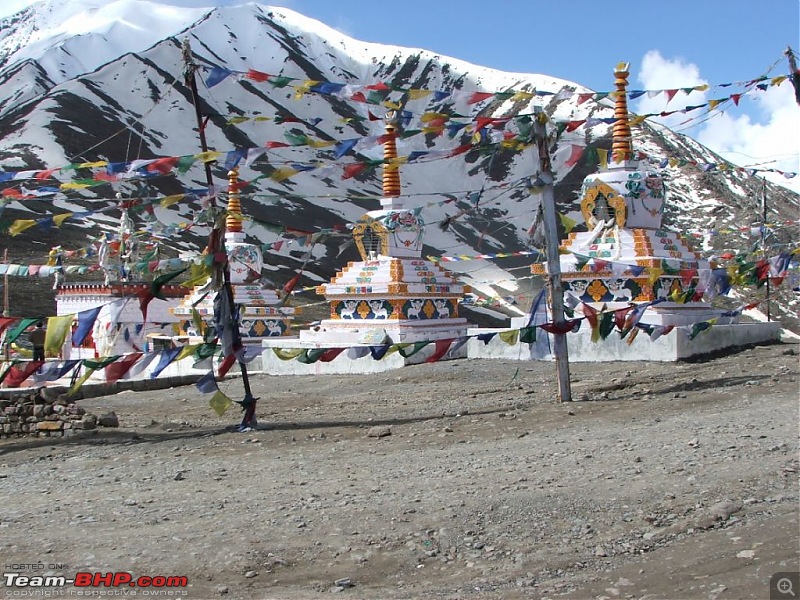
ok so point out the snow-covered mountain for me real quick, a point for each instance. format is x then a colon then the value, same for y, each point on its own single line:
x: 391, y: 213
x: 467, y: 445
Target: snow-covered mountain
x: 85, y: 81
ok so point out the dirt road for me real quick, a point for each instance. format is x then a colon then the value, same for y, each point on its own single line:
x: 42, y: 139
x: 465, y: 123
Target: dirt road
x: 459, y: 479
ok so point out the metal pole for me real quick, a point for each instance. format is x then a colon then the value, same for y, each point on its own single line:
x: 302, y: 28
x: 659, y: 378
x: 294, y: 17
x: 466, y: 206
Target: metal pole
x: 248, y: 402
x: 553, y: 264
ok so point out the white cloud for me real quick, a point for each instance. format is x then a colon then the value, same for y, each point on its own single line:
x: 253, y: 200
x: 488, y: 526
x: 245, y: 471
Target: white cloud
x: 760, y: 132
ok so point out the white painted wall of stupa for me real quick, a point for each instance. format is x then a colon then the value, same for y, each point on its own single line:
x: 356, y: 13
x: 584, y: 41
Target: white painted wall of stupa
x: 672, y: 347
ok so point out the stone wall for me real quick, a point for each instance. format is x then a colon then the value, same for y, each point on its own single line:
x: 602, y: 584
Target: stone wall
x: 43, y: 415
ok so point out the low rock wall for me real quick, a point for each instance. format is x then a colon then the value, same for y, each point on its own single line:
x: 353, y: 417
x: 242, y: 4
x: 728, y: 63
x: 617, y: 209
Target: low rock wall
x: 43, y: 415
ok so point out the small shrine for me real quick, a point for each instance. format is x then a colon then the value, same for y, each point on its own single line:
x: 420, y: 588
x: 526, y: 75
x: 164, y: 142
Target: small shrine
x: 261, y: 310
x: 118, y: 328
x: 625, y: 256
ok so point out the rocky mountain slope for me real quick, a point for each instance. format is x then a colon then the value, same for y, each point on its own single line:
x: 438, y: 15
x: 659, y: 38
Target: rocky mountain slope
x: 111, y: 89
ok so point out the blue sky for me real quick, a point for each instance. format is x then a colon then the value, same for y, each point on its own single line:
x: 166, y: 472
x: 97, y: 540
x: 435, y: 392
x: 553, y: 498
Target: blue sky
x: 669, y: 44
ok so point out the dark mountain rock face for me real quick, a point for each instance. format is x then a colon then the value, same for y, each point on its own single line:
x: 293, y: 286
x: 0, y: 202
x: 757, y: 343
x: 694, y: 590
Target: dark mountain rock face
x: 55, y: 112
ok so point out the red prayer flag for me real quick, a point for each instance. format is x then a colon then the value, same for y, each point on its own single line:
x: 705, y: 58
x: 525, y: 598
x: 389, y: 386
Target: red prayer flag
x: 163, y: 165
x: 226, y: 365
x: 620, y: 315
x: 380, y: 86
x: 573, y: 125
x: 5, y: 322
x: 116, y: 370
x: 442, y: 346
x: 16, y: 375
x: 330, y: 354
x: 257, y: 75
x: 575, y: 155
x: 352, y: 170
x: 479, y: 97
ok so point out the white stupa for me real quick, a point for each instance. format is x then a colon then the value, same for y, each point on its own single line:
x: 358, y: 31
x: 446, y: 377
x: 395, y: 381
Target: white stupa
x: 261, y: 311
x: 119, y: 328
x: 626, y: 259
x: 391, y: 296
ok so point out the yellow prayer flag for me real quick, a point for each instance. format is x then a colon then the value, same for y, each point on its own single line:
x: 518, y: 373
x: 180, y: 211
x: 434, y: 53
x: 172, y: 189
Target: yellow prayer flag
x: 432, y: 116
x: 199, y: 274
x: 76, y: 386
x: 237, y: 120
x: 301, y: 90
x: 220, y: 403
x: 208, y: 156
x: 653, y: 273
x: 282, y: 173
x: 712, y: 104
x: 602, y: 155
x: 569, y: 224
x: 59, y: 219
x: 20, y: 225
x: 90, y: 165
x: 509, y: 337
x: 394, y: 348
x: 70, y: 185
x: 321, y: 143
x: 418, y: 94
x: 57, y: 330
x: 187, y: 350
x: 168, y: 201
x: 287, y: 353
x: 522, y: 96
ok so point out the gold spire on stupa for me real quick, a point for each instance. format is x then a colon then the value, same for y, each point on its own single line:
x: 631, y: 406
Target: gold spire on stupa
x: 621, y: 146
x: 391, y: 170
x: 233, y: 221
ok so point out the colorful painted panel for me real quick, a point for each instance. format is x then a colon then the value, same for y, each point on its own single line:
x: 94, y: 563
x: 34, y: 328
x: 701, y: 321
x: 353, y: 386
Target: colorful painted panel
x: 627, y: 289
x: 362, y: 309
x: 263, y: 328
x: 437, y: 308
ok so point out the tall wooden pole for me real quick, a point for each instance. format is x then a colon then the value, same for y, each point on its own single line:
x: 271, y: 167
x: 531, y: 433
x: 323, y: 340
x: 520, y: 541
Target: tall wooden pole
x: 6, y: 309
x: 764, y: 236
x: 794, y: 74
x: 248, y: 403
x: 553, y: 264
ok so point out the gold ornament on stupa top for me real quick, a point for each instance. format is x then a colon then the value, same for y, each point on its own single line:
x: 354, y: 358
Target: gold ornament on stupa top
x: 621, y: 150
x: 233, y: 220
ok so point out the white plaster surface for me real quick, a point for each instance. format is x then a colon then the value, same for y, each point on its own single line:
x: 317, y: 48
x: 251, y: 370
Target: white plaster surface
x: 674, y: 346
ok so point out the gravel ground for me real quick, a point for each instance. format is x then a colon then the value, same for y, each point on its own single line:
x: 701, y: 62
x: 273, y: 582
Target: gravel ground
x: 461, y: 479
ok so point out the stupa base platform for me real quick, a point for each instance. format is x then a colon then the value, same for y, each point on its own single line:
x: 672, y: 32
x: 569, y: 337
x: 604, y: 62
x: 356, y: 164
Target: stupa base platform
x: 667, y: 313
x: 357, y: 354
x: 671, y: 347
